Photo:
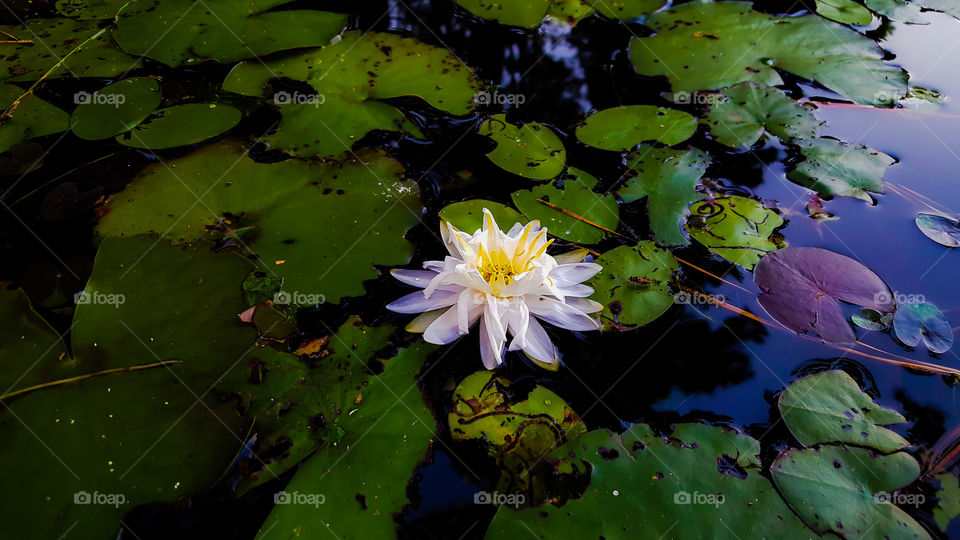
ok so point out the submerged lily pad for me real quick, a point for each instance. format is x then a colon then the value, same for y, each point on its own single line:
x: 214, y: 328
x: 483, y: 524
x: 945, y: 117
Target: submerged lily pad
x: 750, y: 109
x: 846, y: 490
x: 844, y: 11
x: 668, y: 178
x: 574, y: 192
x: 320, y: 227
x: 379, y: 429
x: 622, y: 128
x: 801, y: 287
x: 634, y: 284
x: 647, y: 486
x: 739, y: 229
x: 915, y: 321
x: 941, y: 229
x: 831, y: 167
x: 52, y: 40
x: 518, y: 433
x: 178, y: 32
x: 530, y: 150
x: 33, y: 117
x: 830, y: 407
x: 468, y: 215
x: 350, y: 78
x: 181, y: 125
x: 707, y: 45
x: 117, y: 107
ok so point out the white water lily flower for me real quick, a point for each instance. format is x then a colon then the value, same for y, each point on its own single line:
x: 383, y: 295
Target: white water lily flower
x: 508, y: 282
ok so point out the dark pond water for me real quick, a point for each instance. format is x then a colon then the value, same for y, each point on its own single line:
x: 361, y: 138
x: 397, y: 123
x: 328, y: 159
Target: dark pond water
x: 694, y: 363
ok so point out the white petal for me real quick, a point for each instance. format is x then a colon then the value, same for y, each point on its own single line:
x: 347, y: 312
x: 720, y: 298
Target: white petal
x: 518, y: 319
x: 571, y: 257
x: 433, y: 266
x: 419, y: 325
x: 491, y: 343
x: 443, y: 330
x: 515, y: 230
x: 585, y: 304
x: 417, y: 278
x: 468, y: 310
x: 538, y: 345
x: 575, y: 273
x: 560, y: 314
x: 576, y: 290
x: 418, y: 303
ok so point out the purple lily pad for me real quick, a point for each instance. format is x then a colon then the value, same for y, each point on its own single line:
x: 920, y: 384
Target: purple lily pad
x: 801, y: 288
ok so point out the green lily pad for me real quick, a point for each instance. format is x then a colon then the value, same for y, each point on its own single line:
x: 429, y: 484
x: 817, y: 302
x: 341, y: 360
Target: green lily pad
x: 627, y: 9
x: 668, y: 178
x: 948, y: 500
x: 844, y: 12
x: 90, y: 9
x: 646, y: 486
x: 529, y: 150
x: 750, y: 109
x: 178, y: 32
x: 574, y: 193
x: 52, y: 40
x: 945, y: 6
x: 33, y: 117
x: 847, y: 490
x: 706, y: 45
x: 354, y: 486
x: 522, y: 13
x: 941, y: 229
x: 468, y: 215
x: 518, y: 433
x: 181, y: 125
x: 898, y: 10
x: 116, y: 108
x: 570, y: 11
x: 915, y: 321
x: 320, y: 227
x: 622, y: 128
x: 739, y: 229
x: 871, y: 319
x: 831, y: 167
x: 830, y: 407
x: 634, y: 284
x: 350, y: 78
